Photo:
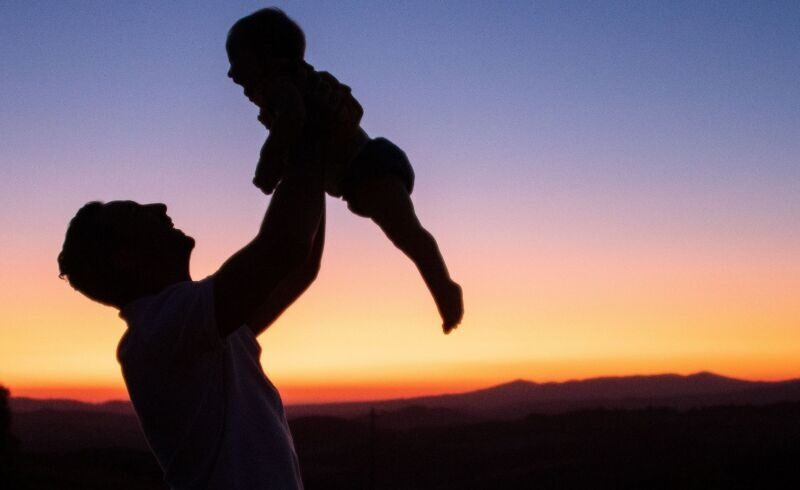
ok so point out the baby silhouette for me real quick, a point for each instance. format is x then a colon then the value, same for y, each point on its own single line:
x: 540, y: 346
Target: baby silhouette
x: 266, y: 52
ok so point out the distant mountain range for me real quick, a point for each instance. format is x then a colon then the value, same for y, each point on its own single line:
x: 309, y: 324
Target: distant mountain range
x: 515, y: 399
x: 519, y: 398
x: 25, y: 405
x: 55, y: 425
x: 667, y: 431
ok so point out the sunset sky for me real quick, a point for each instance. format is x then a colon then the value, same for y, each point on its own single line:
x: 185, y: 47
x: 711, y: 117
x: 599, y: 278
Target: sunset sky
x: 616, y: 186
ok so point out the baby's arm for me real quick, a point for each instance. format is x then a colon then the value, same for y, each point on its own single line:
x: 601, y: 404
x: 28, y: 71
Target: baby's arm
x: 387, y: 202
x: 285, y: 120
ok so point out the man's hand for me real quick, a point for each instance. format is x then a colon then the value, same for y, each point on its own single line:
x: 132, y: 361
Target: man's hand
x: 266, y: 118
x: 283, y: 113
x: 282, y: 97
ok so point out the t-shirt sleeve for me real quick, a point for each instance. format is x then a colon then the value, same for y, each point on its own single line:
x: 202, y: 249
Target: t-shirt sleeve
x: 181, y: 324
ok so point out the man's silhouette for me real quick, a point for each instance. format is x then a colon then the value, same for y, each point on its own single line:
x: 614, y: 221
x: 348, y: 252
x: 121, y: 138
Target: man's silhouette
x: 189, y: 356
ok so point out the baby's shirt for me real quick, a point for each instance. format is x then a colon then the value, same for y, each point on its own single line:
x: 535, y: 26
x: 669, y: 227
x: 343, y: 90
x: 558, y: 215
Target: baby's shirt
x: 285, y: 129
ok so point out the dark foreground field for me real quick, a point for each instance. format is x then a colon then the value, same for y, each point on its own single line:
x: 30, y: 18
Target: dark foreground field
x: 708, y: 448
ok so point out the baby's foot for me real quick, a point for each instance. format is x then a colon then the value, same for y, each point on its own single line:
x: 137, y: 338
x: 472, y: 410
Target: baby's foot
x: 450, y: 303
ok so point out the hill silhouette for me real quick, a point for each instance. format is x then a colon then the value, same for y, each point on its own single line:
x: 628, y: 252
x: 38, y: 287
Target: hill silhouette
x: 700, y: 431
x: 59, y: 425
x: 713, y: 447
x: 520, y: 397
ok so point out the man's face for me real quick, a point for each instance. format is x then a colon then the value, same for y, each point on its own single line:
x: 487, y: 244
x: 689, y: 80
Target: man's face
x: 147, y: 230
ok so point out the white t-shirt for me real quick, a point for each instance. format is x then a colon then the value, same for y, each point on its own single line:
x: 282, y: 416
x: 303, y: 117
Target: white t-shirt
x: 210, y: 415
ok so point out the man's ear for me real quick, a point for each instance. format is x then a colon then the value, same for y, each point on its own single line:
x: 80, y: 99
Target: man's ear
x: 125, y: 261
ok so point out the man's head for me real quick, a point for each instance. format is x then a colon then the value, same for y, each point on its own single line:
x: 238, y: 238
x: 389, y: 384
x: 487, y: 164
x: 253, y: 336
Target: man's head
x: 119, y: 251
x: 257, y: 43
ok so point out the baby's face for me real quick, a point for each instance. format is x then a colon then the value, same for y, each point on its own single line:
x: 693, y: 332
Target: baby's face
x: 251, y: 71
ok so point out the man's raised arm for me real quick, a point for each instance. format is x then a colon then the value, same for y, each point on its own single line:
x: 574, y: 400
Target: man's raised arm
x: 248, y: 287
x: 283, y: 244
x: 292, y: 287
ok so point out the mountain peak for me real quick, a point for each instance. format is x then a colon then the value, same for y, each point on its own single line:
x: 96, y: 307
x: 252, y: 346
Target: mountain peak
x: 517, y: 382
x: 707, y: 375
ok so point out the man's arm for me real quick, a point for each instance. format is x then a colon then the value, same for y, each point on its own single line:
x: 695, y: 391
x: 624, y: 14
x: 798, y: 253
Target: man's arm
x: 282, y: 245
x: 291, y: 288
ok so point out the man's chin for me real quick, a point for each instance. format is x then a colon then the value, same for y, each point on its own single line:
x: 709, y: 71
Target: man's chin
x: 182, y: 243
x: 189, y: 243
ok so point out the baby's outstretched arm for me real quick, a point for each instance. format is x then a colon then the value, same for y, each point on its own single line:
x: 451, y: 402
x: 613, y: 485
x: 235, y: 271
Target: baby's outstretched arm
x: 388, y: 203
x: 285, y: 120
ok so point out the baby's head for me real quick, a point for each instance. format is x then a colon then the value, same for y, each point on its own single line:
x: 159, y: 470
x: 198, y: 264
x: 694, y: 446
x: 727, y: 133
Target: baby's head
x: 258, y: 44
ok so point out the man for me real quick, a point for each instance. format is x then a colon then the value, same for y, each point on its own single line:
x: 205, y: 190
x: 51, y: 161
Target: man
x: 189, y: 357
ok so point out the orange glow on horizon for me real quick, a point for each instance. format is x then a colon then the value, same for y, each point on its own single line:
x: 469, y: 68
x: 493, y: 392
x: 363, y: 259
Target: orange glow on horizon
x: 309, y: 391
x: 546, y: 321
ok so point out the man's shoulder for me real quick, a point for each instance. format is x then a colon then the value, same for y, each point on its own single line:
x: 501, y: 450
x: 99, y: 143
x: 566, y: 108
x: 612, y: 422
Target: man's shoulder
x: 176, y: 311
x: 171, y: 295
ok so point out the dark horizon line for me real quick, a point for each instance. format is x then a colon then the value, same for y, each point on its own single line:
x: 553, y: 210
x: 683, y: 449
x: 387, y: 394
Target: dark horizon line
x: 487, y: 388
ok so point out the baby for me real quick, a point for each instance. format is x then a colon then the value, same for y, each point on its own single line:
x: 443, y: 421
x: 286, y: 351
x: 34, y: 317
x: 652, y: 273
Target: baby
x: 266, y: 53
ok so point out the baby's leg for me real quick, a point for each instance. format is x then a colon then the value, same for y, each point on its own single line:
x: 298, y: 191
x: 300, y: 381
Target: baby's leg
x: 387, y: 202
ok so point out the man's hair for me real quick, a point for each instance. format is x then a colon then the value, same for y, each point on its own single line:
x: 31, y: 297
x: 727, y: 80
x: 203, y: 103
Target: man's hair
x: 268, y: 28
x: 86, y: 259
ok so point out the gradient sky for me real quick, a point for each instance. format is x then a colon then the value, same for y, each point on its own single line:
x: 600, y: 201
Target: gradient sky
x: 616, y: 185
